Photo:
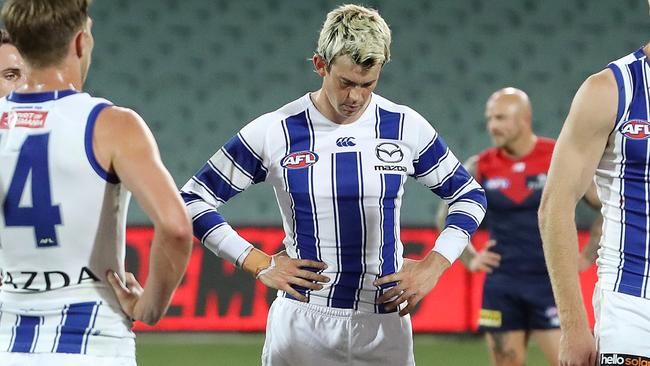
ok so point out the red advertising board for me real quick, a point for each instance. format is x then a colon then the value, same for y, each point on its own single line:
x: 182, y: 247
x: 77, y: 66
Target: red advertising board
x: 214, y: 296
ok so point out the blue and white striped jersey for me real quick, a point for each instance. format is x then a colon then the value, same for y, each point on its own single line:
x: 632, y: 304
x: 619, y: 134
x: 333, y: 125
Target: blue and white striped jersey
x: 62, y: 226
x: 339, y: 189
x: 623, y: 182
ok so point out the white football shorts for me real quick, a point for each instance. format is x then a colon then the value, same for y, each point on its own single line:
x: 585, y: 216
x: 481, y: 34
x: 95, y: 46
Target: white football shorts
x: 622, y: 328
x: 62, y: 359
x: 305, y: 334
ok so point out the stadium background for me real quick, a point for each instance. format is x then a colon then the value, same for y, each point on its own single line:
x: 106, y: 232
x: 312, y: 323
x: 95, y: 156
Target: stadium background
x: 198, y: 70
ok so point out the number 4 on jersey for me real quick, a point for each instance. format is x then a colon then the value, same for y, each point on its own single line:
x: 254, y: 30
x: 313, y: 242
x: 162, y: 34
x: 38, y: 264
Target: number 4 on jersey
x: 32, y: 167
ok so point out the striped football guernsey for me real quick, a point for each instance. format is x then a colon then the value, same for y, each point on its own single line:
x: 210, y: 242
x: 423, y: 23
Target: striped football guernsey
x: 339, y: 189
x: 62, y: 226
x: 623, y: 181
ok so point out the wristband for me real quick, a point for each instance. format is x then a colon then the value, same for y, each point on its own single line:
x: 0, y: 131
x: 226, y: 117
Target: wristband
x: 262, y: 271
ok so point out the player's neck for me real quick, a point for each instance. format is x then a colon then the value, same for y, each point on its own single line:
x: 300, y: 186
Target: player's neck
x: 50, y: 79
x: 521, y: 147
x: 322, y: 104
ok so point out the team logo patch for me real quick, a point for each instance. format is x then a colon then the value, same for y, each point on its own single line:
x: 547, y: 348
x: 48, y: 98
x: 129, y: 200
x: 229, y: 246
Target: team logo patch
x: 496, y: 183
x: 345, y: 142
x: 490, y: 318
x: 623, y: 359
x: 389, y: 152
x: 29, y: 119
x: 636, y: 129
x: 299, y: 160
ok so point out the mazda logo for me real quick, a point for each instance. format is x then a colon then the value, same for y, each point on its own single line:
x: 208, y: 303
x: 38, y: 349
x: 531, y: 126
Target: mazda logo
x: 389, y: 152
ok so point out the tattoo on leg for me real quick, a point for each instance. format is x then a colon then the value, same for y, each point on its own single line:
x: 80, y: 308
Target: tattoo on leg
x: 501, y: 353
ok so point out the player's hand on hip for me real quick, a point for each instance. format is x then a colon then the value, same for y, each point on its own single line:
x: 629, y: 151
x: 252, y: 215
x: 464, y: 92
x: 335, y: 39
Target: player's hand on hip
x: 128, y: 292
x: 584, y: 263
x: 286, y: 272
x: 485, y: 260
x: 578, y: 349
x: 414, y: 281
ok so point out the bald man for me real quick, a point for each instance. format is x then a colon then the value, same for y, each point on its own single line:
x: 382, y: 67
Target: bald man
x: 517, y: 296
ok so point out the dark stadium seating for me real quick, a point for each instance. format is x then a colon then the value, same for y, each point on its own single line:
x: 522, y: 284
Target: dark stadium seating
x: 198, y: 70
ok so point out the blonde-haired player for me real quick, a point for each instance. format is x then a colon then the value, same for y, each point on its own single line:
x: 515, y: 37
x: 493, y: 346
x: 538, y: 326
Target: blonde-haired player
x: 338, y: 159
x: 67, y: 163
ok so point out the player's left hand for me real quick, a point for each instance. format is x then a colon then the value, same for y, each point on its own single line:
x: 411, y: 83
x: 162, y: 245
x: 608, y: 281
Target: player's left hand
x: 414, y: 281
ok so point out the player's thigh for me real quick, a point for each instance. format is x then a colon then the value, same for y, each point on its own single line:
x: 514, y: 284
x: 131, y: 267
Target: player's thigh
x: 622, y: 328
x: 304, y: 334
x: 548, y: 341
x: 502, y: 308
x: 382, y: 339
x: 61, y: 359
x: 507, y: 348
x: 541, y: 311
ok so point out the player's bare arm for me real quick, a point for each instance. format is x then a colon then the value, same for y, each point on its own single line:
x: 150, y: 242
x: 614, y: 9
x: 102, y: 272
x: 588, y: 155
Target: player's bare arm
x: 124, y: 144
x: 281, y: 272
x: 577, y: 153
x: 590, y: 251
x: 475, y: 261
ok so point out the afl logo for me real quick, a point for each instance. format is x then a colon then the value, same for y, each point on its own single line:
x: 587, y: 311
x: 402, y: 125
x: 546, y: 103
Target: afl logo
x: 636, y: 129
x: 299, y: 160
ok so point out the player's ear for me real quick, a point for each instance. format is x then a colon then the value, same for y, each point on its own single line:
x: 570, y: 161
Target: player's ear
x: 79, y: 44
x: 320, y: 66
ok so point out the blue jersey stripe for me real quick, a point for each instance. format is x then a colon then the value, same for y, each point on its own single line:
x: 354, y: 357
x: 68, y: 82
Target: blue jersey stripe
x: 431, y: 157
x: 26, y: 333
x: 299, y: 137
x: 452, y: 182
x: 88, y: 145
x: 635, y: 194
x: 350, y: 226
x: 621, y: 91
x: 91, y: 327
x: 75, y: 328
x: 219, y: 185
x: 244, y: 159
x: 299, y: 187
x: 390, y: 187
x: 205, y: 222
x: 390, y: 125
x: 190, y: 197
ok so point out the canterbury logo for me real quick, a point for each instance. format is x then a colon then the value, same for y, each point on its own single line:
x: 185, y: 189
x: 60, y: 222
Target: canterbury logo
x: 389, y: 152
x: 345, y: 142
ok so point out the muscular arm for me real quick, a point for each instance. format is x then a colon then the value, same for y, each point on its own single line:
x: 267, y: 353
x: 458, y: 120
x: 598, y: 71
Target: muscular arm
x: 590, y: 251
x: 576, y: 156
x: 124, y: 145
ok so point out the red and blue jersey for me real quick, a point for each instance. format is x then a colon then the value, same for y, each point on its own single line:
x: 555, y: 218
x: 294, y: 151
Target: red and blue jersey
x: 513, y: 188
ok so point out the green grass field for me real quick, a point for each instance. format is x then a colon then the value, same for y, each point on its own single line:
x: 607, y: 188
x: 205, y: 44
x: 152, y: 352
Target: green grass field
x: 187, y: 349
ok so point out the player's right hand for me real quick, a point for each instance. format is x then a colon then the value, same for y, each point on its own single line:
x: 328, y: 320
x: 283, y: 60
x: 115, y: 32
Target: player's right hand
x: 128, y: 292
x: 485, y: 260
x: 285, y: 272
x: 578, y: 349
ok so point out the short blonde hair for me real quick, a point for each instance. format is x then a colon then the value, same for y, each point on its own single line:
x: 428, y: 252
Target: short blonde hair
x: 356, y: 31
